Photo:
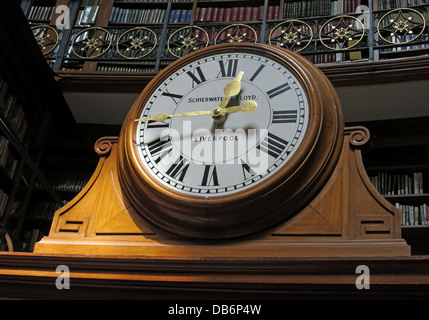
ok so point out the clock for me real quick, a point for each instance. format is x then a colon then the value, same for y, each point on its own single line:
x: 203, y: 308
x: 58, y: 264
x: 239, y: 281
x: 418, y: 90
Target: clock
x: 229, y: 141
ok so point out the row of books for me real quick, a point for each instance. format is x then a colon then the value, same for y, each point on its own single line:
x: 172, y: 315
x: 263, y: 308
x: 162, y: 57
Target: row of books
x: 68, y: 180
x: 398, y: 184
x: 43, y: 210
x: 406, y: 46
x: 12, y: 111
x: 4, y: 197
x: 152, y: 1
x: 40, y: 13
x: 125, y: 15
x: 87, y: 13
x: 392, y: 4
x: 144, y: 1
x: 312, y: 8
x: 7, y: 160
x: 413, y: 215
x: 235, y: 14
x: 165, y: 1
x: 333, y: 57
x: 124, y: 68
x: 180, y: 16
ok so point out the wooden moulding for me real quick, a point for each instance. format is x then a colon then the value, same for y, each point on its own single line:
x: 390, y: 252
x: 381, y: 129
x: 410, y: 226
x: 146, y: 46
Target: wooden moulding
x: 347, y: 218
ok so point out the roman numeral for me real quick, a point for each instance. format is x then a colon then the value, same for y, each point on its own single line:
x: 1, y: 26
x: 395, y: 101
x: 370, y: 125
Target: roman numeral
x: 210, y: 176
x: 273, y: 145
x: 228, y: 68
x: 156, y: 124
x: 173, y: 96
x: 247, y: 170
x: 159, y: 149
x: 257, y: 72
x: 178, y: 170
x: 285, y: 116
x: 278, y: 90
x: 196, y: 78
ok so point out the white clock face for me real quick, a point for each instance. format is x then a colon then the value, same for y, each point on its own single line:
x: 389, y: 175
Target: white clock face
x: 202, y: 156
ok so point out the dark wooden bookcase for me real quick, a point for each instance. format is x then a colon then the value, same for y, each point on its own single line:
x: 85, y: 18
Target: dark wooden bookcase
x: 38, y: 109
x: 401, y: 148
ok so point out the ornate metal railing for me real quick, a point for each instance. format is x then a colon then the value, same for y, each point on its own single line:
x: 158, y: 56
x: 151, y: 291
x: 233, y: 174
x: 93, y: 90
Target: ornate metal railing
x: 321, y: 39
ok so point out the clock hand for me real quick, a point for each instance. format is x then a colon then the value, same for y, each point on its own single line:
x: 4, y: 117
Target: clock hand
x: 231, y: 89
x: 247, y: 107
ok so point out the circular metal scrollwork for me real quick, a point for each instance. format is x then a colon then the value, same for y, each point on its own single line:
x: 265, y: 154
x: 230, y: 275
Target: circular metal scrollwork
x: 91, y: 42
x: 341, y: 32
x: 136, y: 43
x: 236, y: 33
x: 294, y: 35
x: 46, y: 37
x: 401, y: 25
x: 187, y: 39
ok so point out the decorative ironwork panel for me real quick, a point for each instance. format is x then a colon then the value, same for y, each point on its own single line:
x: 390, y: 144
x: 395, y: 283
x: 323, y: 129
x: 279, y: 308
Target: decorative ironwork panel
x: 401, y: 26
x: 321, y: 39
x: 341, y: 32
x: 187, y: 39
x: 294, y: 35
x: 236, y: 33
x: 136, y: 43
x: 47, y: 38
x: 91, y: 42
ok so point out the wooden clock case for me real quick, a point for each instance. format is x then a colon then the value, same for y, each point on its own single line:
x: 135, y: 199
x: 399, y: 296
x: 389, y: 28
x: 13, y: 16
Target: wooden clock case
x: 320, y: 204
x: 254, y: 209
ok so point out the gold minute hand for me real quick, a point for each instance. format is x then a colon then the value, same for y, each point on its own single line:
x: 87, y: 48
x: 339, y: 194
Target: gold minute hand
x: 231, y: 89
x: 248, y: 107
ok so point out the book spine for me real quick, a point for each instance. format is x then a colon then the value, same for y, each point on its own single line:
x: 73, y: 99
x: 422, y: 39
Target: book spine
x: 398, y: 184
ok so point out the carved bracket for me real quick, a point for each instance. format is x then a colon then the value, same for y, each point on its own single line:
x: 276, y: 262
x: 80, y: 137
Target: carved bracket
x: 358, y: 136
x: 103, y: 146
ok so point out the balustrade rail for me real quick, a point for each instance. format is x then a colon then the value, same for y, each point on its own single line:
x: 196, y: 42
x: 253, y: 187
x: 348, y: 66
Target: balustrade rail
x: 367, y: 34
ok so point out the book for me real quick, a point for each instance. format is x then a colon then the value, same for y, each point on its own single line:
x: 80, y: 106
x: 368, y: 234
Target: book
x: 398, y: 184
x: 12, y: 111
x: 124, y: 68
x: 312, y: 8
x: 139, y: 16
x: 87, y: 15
x: 40, y: 13
x: 7, y: 160
x: 4, y: 197
x: 67, y: 180
x: 413, y: 215
x: 234, y: 14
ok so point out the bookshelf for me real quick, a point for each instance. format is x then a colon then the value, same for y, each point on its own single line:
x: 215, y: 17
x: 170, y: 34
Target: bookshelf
x: 397, y: 163
x: 31, y: 107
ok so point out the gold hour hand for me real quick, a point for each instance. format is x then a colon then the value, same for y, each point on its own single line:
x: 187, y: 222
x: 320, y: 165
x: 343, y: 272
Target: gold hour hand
x: 164, y: 116
x: 247, y: 107
x: 216, y: 113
